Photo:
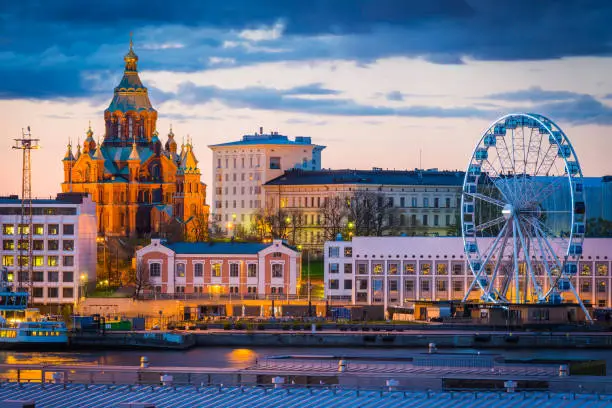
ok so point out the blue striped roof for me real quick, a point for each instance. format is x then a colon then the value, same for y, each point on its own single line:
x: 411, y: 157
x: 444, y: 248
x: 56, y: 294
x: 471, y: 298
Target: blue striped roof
x: 224, y: 248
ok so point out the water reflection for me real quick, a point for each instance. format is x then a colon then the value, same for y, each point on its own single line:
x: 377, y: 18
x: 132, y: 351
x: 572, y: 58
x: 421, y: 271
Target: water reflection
x: 241, y: 357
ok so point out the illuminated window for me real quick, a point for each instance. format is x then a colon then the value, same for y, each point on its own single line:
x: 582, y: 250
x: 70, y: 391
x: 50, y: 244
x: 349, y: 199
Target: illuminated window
x: 180, y: 270
x: 52, y: 261
x: 8, y: 260
x: 441, y: 269
x: 216, y: 270
x: 409, y: 269
x: 39, y: 229
x: 425, y: 269
x: 53, y: 229
x: 8, y: 229
x: 392, y: 269
x: 38, y: 260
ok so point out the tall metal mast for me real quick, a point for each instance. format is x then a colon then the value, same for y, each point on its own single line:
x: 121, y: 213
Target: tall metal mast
x: 26, y: 144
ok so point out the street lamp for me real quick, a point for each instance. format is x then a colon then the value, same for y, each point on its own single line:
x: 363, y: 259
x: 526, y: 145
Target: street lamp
x: 83, y: 286
x: 103, y: 240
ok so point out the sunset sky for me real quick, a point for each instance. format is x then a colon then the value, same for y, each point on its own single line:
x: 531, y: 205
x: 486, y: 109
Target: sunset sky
x: 375, y: 81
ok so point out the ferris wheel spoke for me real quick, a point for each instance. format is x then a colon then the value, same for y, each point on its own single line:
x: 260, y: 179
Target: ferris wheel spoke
x: 486, y: 198
x: 526, y: 254
x: 549, y: 189
x: 497, y: 180
x: 488, y: 254
x: 490, y: 223
x: 498, y: 263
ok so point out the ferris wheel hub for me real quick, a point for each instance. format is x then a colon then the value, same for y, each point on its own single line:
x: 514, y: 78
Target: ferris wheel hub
x: 508, y: 211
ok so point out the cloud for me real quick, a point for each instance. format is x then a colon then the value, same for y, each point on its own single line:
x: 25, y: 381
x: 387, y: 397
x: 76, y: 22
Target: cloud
x: 582, y: 110
x: 286, y: 100
x: 395, y: 96
x: 312, y: 89
x: 263, y: 33
x: 535, y: 94
x: 63, y: 39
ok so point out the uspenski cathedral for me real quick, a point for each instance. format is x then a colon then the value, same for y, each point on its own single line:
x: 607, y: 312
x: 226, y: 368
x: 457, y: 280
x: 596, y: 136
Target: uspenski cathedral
x: 138, y: 183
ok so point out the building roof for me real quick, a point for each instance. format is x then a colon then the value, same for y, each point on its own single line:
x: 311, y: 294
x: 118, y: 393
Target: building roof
x: 104, y: 395
x: 225, y: 248
x: 376, y: 177
x: 62, y: 198
x: 269, y: 139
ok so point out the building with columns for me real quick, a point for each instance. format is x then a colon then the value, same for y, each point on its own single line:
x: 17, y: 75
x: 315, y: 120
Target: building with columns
x: 397, y: 271
x: 244, y: 270
x: 242, y: 167
x: 137, y: 182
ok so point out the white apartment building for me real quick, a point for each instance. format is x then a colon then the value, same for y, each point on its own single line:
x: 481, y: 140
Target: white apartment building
x: 418, y: 202
x: 63, y: 246
x: 241, y: 168
x: 396, y: 271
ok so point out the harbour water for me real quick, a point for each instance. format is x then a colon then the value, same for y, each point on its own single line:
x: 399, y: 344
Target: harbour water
x: 229, y: 357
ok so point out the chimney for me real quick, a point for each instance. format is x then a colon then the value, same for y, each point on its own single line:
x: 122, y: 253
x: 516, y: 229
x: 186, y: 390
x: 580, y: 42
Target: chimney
x: 261, y: 130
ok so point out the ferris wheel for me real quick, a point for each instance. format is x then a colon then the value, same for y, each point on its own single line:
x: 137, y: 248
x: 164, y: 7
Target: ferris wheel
x: 523, y: 213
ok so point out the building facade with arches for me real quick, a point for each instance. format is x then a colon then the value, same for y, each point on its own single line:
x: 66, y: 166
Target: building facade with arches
x: 137, y: 182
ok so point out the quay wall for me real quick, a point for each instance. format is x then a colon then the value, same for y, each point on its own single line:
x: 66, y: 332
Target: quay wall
x: 405, y: 339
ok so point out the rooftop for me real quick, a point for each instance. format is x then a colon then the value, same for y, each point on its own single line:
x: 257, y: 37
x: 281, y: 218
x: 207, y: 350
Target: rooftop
x: 108, y: 395
x: 273, y: 138
x: 62, y: 198
x: 227, y: 248
x: 376, y: 177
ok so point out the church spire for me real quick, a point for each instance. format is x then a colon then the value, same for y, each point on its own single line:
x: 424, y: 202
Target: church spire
x: 131, y: 59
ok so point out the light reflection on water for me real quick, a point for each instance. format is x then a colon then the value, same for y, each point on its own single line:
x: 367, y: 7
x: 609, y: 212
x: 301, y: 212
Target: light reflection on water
x: 235, y: 357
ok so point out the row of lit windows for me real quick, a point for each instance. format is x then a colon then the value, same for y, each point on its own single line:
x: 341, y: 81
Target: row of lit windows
x: 37, y: 229
x: 37, y: 260
x: 198, y: 270
x: 38, y: 245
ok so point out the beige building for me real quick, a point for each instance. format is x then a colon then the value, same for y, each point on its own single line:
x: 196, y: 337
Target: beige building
x: 413, y: 203
x: 241, y: 168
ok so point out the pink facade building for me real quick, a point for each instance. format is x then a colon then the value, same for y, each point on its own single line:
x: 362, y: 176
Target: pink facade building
x: 249, y: 270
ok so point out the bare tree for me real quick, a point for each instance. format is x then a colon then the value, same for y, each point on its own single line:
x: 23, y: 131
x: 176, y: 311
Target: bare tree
x: 141, y: 279
x: 335, y: 212
x: 370, y: 212
x: 296, y: 221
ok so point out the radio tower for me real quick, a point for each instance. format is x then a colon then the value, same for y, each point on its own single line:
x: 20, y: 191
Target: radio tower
x: 26, y: 143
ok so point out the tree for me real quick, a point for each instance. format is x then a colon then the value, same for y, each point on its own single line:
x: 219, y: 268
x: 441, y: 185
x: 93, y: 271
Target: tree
x: 296, y: 222
x: 141, y: 279
x: 199, y: 228
x: 598, y: 227
x: 335, y: 212
x: 369, y: 211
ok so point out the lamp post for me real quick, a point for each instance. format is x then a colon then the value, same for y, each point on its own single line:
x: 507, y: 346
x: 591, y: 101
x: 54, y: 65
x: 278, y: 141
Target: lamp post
x: 102, y: 240
x: 308, y: 279
x: 83, y: 285
x: 234, y: 225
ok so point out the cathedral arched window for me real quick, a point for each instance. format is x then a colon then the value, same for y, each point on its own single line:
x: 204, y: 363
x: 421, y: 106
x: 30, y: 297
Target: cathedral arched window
x: 193, y: 209
x: 155, y: 171
x: 87, y: 172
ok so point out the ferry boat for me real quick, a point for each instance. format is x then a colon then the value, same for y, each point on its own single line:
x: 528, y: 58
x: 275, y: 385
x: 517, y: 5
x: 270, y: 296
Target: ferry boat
x: 24, y: 327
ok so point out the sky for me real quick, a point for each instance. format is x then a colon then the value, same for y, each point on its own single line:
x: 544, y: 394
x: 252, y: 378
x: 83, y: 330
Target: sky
x: 395, y: 84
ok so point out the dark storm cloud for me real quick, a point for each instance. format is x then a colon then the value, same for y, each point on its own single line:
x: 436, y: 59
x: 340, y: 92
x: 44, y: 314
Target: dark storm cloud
x: 285, y: 100
x: 54, y: 49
